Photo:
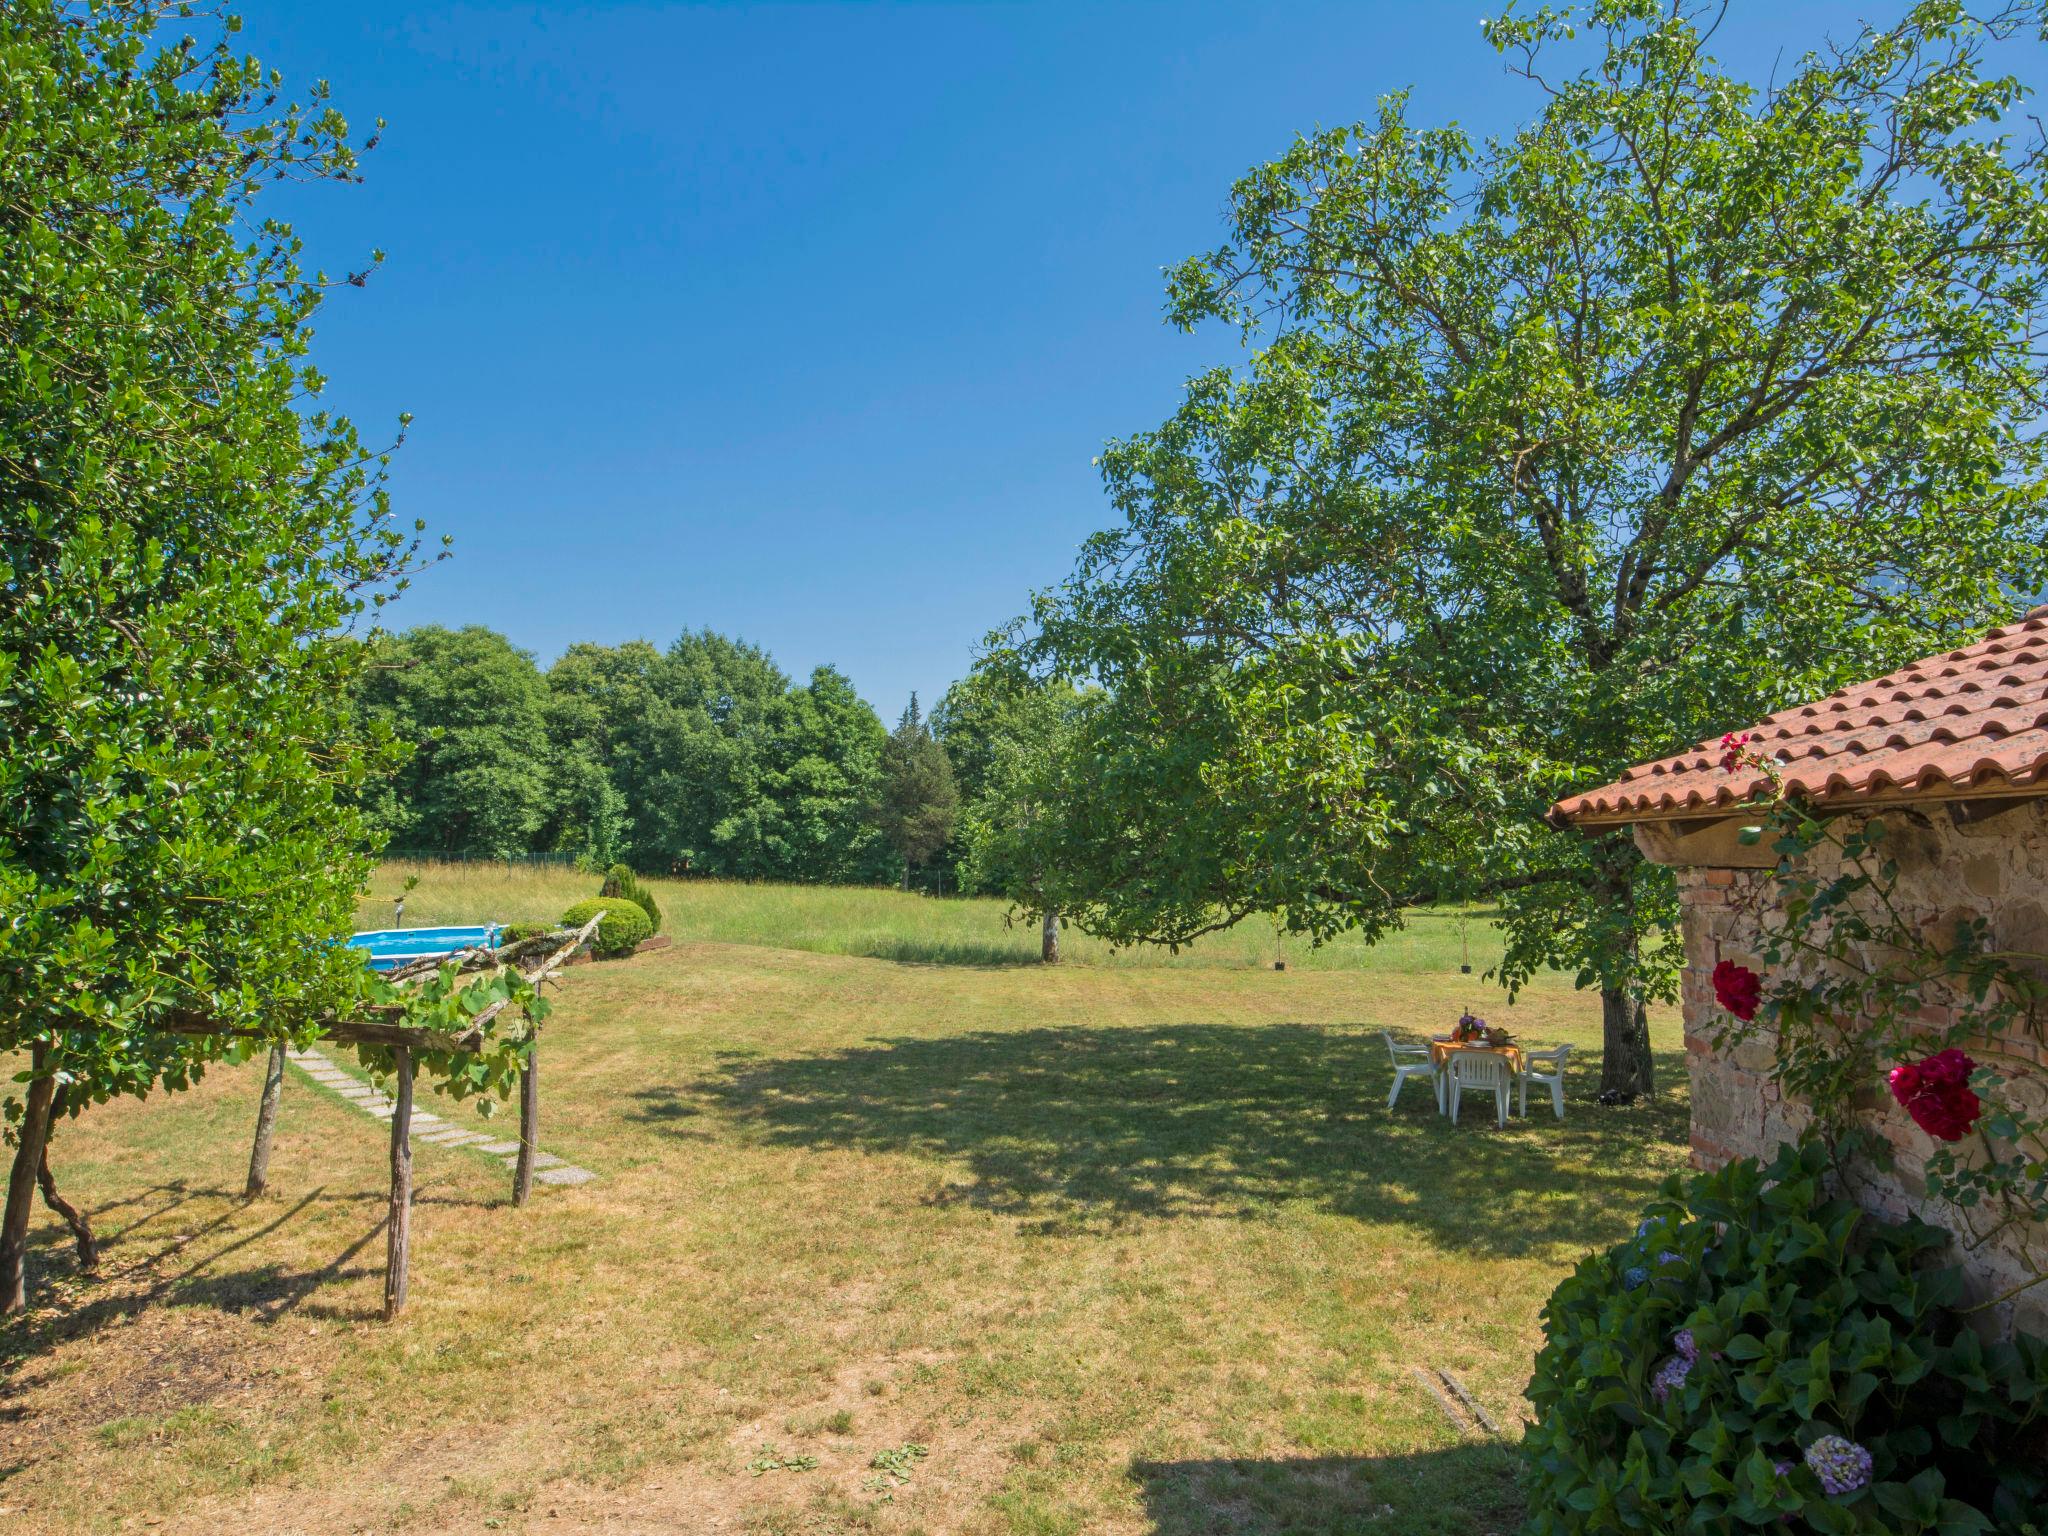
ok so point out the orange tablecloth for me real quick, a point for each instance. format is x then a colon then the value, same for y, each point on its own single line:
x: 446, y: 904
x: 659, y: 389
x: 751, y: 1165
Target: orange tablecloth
x: 1440, y: 1053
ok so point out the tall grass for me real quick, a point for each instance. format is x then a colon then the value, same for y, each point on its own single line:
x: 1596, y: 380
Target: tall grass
x: 895, y: 925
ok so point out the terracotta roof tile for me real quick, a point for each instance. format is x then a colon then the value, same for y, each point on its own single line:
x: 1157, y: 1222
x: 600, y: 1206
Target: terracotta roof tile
x: 1968, y: 721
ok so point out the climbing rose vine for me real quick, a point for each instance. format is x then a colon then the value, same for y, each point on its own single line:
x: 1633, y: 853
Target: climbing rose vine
x: 1856, y: 991
x: 1738, y: 989
x: 1937, y: 1094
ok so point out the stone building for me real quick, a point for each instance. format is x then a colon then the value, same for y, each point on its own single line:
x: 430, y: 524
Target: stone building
x: 1952, y: 752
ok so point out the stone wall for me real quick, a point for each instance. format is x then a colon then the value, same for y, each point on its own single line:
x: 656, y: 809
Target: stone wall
x: 1949, y: 866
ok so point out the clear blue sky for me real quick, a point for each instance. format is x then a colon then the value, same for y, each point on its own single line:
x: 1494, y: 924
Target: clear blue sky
x: 805, y: 323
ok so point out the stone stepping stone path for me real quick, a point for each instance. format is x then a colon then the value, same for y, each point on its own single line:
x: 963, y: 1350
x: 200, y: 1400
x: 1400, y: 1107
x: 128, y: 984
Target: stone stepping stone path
x: 431, y: 1128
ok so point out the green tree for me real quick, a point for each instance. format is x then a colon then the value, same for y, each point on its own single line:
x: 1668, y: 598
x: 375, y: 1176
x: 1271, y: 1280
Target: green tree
x: 1555, y: 453
x: 599, y: 702
x: 701, y: 749
x: 184, y: 538
x: 723, y: 764
x: 825, y: 764
x: 480, y: 777
x: 586, y: 814
x: 1013, y: 741
x: 916, y: 799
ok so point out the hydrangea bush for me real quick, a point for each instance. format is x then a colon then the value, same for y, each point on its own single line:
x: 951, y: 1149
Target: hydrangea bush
x: 1764, y: 1354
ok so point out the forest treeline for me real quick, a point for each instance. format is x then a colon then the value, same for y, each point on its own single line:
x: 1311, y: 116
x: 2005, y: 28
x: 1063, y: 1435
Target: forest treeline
x: 704, y: 758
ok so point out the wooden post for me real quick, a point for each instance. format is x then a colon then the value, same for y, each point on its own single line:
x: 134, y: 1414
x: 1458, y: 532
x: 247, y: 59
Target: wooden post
x: 529, y: 1124
x: 33, y: 1133
x: 1049, y: 938
x: 398, y: 1250
x: 266, y: 1125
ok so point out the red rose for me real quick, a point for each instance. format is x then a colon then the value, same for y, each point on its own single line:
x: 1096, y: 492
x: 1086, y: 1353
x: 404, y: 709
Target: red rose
x: 1950, y: 1067
x: 1948, y: 1115
x: 1937, y: 1094
x: 1738, y: 989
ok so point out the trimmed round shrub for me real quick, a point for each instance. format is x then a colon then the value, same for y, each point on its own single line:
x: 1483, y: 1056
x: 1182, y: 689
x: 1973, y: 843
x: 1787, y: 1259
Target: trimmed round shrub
x: 621, y: 882
x: 621, y: 931
x: 1765, y: 1351
x: 512, y: 933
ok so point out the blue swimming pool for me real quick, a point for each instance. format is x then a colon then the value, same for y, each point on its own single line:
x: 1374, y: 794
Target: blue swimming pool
x: 390, y: 948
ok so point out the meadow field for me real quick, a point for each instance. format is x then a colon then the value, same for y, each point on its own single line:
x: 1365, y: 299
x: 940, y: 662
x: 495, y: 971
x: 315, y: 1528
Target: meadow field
x: 891, y: 1234
x: 882, y: 924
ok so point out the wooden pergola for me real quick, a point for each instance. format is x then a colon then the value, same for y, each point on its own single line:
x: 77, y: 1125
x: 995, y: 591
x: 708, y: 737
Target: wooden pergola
x: 535, y: 959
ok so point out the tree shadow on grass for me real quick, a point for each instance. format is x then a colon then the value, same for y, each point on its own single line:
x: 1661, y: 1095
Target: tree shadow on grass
x: 1467, y: 1490
x: 1084, y: 1127
x: 190, y: 1270
x: 952, y: 954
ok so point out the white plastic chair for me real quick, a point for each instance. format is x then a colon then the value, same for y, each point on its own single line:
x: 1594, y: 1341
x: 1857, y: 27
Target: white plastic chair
x: 1410, y: 1061
x: 1553, y: 1079
x: 1482, y: 1070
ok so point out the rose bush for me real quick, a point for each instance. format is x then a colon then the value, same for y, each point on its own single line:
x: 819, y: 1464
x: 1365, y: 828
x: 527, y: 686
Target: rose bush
x: 1937, y: 1094
x: 1861, y: 987
x: 1738, y: 989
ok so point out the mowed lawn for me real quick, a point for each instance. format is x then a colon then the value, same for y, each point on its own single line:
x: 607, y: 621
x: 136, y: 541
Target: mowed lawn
x: 1119, y: 1247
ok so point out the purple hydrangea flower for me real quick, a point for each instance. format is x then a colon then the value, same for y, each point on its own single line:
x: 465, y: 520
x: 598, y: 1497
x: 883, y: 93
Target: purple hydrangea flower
x: 1669, y: 1257
x: 1685, y: 1344
x: 1645, y: 1228
x: 1783, y: 1470
x: 1670, y: 1376
x: 1633, y: 1276
x: 1842, y: 1466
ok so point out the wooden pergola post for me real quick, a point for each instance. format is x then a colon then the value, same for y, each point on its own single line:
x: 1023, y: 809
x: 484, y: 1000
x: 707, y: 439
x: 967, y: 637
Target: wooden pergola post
x: 398, y: 1248
x: 529, y: 1124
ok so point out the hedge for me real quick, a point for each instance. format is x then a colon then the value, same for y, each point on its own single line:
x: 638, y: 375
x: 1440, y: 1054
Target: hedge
x: 621, y: 931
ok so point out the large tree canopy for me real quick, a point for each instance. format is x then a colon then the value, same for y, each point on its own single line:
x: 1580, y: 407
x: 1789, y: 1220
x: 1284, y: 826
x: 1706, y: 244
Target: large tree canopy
x: 184, y: 539
x: 1689, y: 399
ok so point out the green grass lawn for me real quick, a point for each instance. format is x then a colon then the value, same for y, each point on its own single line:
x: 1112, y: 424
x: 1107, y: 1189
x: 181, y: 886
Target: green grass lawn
x: 1122, y: 1247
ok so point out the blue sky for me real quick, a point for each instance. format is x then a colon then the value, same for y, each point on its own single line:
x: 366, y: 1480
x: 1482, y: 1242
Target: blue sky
x: 805, y: 323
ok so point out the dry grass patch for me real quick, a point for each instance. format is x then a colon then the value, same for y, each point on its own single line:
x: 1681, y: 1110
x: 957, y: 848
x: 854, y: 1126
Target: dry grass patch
x: 1123, y: 1249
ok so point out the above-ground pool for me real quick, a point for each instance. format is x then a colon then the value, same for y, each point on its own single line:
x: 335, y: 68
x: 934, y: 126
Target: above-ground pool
x: 390, y: 948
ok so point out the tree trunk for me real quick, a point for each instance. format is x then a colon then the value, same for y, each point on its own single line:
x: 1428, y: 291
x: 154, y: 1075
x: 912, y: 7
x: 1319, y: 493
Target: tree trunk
x: 80, y: 1224
x: 1625, y: 1065
x: 398, y: 1249
x: 266, y: 1125
x: 34, y: 1132
x: 1049, y: 937
x: 529, y: 1125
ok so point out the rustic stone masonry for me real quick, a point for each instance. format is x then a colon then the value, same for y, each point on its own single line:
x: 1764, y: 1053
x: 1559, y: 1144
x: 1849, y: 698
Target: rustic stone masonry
x: 1952, y: 863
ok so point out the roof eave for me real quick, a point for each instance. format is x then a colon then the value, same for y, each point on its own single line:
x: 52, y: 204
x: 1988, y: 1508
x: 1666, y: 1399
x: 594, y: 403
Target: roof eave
x: 1832, y: 805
